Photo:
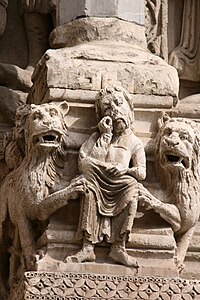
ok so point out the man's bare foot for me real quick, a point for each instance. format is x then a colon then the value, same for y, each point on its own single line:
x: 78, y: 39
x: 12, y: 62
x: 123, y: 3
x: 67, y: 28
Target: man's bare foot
x: 85, y: 254
x: 120, y: 255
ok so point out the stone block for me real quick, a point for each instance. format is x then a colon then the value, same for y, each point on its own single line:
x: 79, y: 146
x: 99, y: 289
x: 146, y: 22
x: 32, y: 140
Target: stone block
x: 94, y: 29
x: 94, y: 65
x: 127, y: 10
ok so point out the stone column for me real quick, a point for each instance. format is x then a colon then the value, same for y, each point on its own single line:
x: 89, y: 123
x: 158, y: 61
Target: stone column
x: 127, y: 10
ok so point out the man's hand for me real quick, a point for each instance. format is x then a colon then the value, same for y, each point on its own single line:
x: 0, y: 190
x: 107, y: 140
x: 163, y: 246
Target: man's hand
x: 78, y: 186
x: 105, y: 125
x: 117, y: 170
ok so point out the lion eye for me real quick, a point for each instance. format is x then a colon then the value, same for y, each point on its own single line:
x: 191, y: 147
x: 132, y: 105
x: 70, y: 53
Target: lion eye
x: 168, y: 131
x: 37, y: 116
x: 53, y: 112
x: 183, y: 136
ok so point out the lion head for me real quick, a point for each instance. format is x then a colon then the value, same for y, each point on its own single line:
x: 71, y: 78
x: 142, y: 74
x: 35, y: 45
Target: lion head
x: 38, y: 129
x: 45, y: 127
x: 177, y: 149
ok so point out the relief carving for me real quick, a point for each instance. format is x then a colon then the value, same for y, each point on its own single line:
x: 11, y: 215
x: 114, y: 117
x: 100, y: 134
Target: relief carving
x: 112, y: 161
x: 156, y: 20
x: 177, y: 158
x: 111, y: 164
x: 16, y: 72
x: 34, y: 190
x: 3, y: 6
x: 92, y: 286
x: 185, y: 57
x: 43, y: 241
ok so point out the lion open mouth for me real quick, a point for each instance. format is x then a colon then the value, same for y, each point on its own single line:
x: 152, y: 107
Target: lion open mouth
x: 176, y: 160
x: 51, y: 138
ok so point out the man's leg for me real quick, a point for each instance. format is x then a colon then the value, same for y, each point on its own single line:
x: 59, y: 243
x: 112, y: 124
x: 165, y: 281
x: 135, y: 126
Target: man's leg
x: 119, y: 254
x: 85, y: 254
x: 121, y: 227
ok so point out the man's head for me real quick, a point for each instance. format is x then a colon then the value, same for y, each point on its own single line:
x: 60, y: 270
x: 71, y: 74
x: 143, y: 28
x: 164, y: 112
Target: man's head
x: 116, y: 103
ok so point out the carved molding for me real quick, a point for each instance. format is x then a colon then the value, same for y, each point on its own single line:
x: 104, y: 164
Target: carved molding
x: 56, y: 286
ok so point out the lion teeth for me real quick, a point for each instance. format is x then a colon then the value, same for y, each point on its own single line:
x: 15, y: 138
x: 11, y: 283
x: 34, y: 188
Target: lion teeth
x: 48, y: 138
x: 175, y: 159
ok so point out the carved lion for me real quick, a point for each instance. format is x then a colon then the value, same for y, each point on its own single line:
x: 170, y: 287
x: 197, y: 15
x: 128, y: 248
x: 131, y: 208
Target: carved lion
x: 178, y: 162
x: 31, y: 192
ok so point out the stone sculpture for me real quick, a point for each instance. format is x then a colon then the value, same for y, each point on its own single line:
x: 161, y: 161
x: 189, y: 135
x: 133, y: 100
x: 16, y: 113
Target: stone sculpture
x: 3, y: 6
x: 34, y: 190
x: 108, y: 208
x: 185, y: 57
x: 177, y: 158
x: 156, y: 17
x: 32, y: 39
x: 33, y: 12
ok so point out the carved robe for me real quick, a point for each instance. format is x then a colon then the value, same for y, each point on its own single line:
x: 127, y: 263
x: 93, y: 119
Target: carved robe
x: 108, y: 209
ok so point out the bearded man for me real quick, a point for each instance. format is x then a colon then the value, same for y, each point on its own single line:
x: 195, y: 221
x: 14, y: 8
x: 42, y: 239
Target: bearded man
x: 111, y: 160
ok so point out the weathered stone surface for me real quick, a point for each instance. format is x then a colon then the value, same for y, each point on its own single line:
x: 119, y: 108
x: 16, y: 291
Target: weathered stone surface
x: 8, y: 108
x: 99, y: 52
x: 186, y: 55
x: 87, y: 97
x: 93, y: 29
x: 3, y: 7
x: 189, y: 107
x: 13, y: 41
x: 156, y: 21
x: 127, y: 10
x: 172, y: 35
x: 94, y: 65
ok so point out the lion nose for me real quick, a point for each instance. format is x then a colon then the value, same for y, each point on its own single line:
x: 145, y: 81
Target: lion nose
x: 172, y: 142
x: 46, y: 122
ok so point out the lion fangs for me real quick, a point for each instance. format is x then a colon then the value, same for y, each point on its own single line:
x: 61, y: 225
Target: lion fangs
x: 184, y: 162
x: 41, y: 139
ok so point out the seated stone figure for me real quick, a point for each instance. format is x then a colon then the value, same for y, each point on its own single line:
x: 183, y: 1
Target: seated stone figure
x: 112, y: 161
